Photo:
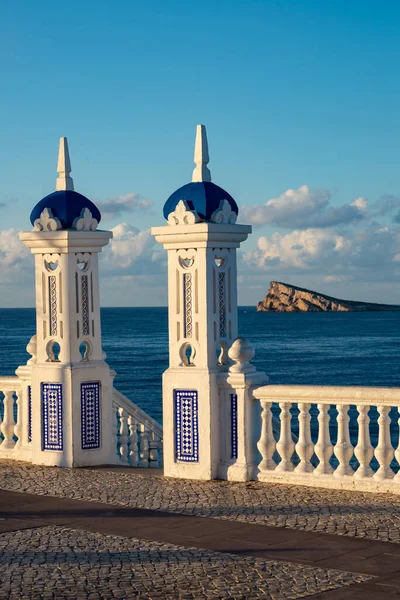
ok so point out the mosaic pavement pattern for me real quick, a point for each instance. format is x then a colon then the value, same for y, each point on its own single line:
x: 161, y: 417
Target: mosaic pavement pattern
x: 58, y: 562
x: 355, y: 514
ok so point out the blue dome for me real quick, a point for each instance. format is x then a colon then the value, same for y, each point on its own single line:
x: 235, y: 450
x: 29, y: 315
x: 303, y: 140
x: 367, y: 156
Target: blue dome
x: 202, y: 196
x: 66, y: 205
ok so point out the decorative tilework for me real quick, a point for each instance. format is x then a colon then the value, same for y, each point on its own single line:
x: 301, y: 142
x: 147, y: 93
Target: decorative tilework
x: 234, y: 424
x: 186, y: 426
x: 221, y: 305
x: 90, y: 415
x: 29, y: 413
x: 85, y: 305
x: 53, y: 304
x: 52, y: 416
x: 187, y: 293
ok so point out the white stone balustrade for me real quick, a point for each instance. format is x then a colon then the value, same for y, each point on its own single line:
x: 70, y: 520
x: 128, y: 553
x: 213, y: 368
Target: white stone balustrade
x: 322, y: 411
x: 137, y: 437
x: 14, y: 420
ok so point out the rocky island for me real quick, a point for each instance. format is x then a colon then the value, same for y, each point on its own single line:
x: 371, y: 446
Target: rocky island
x: 282, y: 297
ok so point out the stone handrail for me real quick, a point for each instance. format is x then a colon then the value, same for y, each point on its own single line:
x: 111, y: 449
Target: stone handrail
x: 321, y: 463
x: 137, y: 436
x: 15, y: 435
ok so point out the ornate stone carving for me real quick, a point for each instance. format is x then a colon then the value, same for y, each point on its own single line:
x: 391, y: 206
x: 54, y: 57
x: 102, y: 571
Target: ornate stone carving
x: 224, y: 213
x: 221, y: 305
x: 241, y: 352
x: 47, y: 222
x: 186, y: 258
x: 32, y: 350
x: 85, y: 222
x: 53, y: 304
x: 182, y: 215
x: 187, y: 295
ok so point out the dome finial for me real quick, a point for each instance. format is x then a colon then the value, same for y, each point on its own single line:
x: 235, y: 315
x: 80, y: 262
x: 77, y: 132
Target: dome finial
x: 201, y: 172
x: 64, y: 181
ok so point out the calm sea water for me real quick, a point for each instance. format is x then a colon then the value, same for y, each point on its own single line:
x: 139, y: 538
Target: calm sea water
x: 305, y: 348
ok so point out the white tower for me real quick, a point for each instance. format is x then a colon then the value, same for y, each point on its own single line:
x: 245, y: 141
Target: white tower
x: 70, y: 395
x: 201, y: 238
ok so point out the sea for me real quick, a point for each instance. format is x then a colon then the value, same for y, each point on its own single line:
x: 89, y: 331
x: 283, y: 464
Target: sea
x: 304, y: 348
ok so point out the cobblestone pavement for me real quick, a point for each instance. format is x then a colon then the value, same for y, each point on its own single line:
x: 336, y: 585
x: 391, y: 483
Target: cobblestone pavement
x: 57, y: 562
x: 355, y: 514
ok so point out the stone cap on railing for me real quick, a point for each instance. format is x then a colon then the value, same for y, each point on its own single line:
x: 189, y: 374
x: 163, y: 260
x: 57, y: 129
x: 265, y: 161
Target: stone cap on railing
x: 321, y: 394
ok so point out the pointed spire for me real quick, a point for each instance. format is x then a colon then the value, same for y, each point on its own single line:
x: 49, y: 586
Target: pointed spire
x: 64, y: 181
x: 201, y: 172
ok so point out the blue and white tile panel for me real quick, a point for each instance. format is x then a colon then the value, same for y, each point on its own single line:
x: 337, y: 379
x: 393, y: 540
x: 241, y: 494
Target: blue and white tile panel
x: 29, y: 413
x: 52, y: 411
x: 90, y: 415
x: 234, y: 426
x: 186, y: 426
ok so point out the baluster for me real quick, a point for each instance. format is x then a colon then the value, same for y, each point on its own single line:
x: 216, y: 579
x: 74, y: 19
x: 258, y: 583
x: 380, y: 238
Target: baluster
x: 123, y: 435
x: 1, y: 422
x: 153, y: 452
x: 115, y: 430
x: 343, y: 448
x: 18, y: 425
x: 384, y: 451
x: 397, y: 453
x: 266, y: 444
x: 364, y: 450
x: 7, y: 427
x: 161, y: 453
x: 285, y: 445
x: 304, y: 447
x: 133, y: 442
x: 144, y: 447
x: 323, y: 448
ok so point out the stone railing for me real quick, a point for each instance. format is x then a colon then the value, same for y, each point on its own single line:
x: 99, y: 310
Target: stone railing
x: 137, y: 437
x: 345, y: 436
x: 15, y: 437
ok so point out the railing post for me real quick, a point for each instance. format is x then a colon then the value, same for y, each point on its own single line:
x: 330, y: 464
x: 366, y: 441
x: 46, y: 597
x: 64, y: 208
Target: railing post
x: 133, y: 442
x: 153, y: 452
x: 239, y: 420
x: 7, y: 426
x: 304, y: 447
x: 116, y: 458
x: 266, y: 444
x: 285, y: 446
x: 123, y: 436
x: 144, y: 446
x: 18, y: 429
x: 323, y: 448
x: 364, y: 452
x: 384, y: 451
x: 343, y: 447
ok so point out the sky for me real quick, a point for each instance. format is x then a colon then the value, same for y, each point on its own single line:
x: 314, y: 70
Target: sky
x: 301, y: 103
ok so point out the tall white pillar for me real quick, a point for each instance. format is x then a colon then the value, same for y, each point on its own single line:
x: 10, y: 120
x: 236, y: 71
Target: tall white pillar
x: 71, y: 387
x: 201, y: 239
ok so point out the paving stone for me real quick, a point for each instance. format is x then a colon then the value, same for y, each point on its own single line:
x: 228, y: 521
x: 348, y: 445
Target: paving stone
x: 340, y: 512
x: 62, y: 563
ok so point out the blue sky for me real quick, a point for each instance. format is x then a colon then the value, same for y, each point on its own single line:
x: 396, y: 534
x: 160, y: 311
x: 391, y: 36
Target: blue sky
x: 293, y: 94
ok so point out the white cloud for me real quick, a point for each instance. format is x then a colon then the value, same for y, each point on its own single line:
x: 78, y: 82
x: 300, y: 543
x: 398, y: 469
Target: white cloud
x: 14, y: 256
x: 303, y: 207
x: 335, y: 255
x: 132, y: 252
x: 114, y: 207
